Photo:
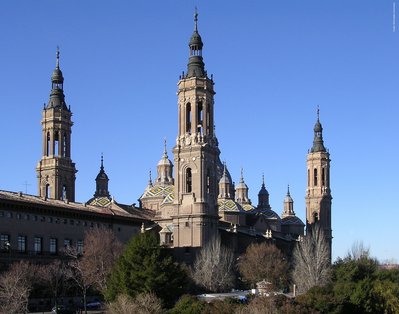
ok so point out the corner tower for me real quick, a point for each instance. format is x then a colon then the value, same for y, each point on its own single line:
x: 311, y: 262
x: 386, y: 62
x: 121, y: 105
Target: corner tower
x: 196, y: 154
x: 318, y: 192
x: 56, y: 171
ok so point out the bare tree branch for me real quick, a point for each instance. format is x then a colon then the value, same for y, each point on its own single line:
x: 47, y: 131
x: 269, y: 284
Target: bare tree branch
x: 213, y: 267
x: 312, y: 261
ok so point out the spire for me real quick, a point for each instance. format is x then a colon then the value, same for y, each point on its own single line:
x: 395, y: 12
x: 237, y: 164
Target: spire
x: 318, y: 143
x: 224, y: 184
x: 196, y: 66
x: 288, y: 205
x: 165, y: 169
x: 57, y: 97
x: 150, y: 180
x: 242, y: 190
x: 263, y: 196
x: 102, y: 181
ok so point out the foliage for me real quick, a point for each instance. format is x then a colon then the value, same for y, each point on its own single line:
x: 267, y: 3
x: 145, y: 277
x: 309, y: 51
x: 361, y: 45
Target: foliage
x: 263, y: 261
x: 144, y: 267
x: 357, y: 286
x: 213, y: 267
x: 15, y: 286
x: 188, y: 304
x: 144, y: 303
x: 311, y: 259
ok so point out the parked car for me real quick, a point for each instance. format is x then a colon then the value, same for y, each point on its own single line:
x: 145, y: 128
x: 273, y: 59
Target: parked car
x: 61, y: 309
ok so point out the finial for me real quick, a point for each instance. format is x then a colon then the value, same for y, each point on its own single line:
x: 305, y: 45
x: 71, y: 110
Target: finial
x: 263, y: 179
x: 288, y: 190
x: 242, y: 176
x: 102, y: 161
x: 150, y: 180
x: 196, y: 20
x: 224, y: 168
x: 165, y: 153
x: 57, y: 64
x: 318, y: 113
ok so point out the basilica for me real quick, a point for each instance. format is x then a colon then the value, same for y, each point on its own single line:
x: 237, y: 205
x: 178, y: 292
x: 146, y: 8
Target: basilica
x: 191, y: 200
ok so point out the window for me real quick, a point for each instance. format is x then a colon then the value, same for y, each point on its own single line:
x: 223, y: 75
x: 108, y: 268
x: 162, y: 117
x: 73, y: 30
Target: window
x: 199, y: 117
x: 26, y: 216
x: 323, y: 177
x: 9, y: 214
x: 188, y: 180
x: 53, y: 246
x: 67, y: 243
x: 188, y: 118
x: 4, y: 242
x: 21, y: 244
x: 315, y: 177
x: 48, y: 144
x: 56, y: 141
x: 308, y: 177
x: 37, y: 245
x: 48, y: 191
x: 79, y: 246
x: 64, y: 140
x: 208, y: 181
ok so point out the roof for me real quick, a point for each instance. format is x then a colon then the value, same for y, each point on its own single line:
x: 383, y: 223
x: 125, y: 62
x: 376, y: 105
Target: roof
x: 292, y: 220
x: 112, y: 209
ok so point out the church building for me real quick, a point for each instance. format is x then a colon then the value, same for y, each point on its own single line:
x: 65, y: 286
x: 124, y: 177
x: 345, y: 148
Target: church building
x: 191, y: 201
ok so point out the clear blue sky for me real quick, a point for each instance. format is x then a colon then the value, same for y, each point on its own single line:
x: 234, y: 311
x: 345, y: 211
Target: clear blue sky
x: 273, y: 63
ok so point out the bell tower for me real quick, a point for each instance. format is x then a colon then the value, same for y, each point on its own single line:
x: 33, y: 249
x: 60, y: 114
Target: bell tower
x: 318, y: 192
x: 196, y: 154
x: 56, y: 171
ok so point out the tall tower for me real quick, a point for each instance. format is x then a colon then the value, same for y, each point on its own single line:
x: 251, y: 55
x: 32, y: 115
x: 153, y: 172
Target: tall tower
x: 56, y: 171
x: 196, y: 154
x: 318, y: 193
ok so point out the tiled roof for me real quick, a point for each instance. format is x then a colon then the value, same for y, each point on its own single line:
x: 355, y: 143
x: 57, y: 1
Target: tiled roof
x: 114, y: 209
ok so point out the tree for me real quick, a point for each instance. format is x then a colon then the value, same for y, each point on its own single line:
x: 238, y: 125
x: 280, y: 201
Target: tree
x: 15, y: 286
x: 54, y: 277
x: 101, y: 249
x: 145, y: 267
x: 263, y: 261
x: 213, y: 267
x: 311, y: 259
x: 144, y: 303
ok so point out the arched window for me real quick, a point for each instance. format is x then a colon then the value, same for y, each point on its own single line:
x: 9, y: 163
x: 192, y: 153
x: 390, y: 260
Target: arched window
x: 48, y: 191
x: 308, y: 177
x: 315, y: 217
x: 208, y: 181
x: 188, y: 180
x: 323, y: 177
x: 56, y: 142
x: 188, y: 118
x: 48, y: 144
x: 199, y: 117
x: 315, y: 177
x: 64, y: 145
x: 207, y: 119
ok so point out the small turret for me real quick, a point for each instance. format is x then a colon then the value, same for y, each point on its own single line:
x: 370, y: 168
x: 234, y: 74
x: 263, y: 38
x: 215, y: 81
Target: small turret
x: 263, y: 196
x: 318, y: 143
x: 57, y: 97
x: 224, y: 184
x: 165, y: 169
x: 288, y: 205
x: 102, y: 182
x: 196, y: 66
x: 242, y: 191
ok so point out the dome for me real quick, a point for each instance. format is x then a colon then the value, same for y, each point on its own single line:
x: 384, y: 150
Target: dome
x: 57, y: 75
x: 269, y: 214
x: 292, y: 220
x: 165, y: 161
x: 318, y: 127
x: 288, y: 199
x: 229, y: 206
x: 263, y: 191
x: 196, y: 41
x: 102, y: 175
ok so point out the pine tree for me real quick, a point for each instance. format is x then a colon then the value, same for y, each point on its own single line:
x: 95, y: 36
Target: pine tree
x: 146, y: 267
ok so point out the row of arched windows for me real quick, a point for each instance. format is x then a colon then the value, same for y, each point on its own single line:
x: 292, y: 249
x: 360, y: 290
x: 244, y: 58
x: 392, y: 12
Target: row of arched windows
x: 316, y: 177
x: 199, y: 124
x: 56, y: 143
